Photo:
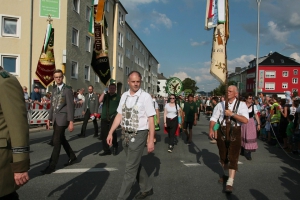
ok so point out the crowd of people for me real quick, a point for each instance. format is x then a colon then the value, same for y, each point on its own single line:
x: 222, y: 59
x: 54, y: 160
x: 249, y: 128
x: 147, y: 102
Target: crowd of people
x: 273, y: 120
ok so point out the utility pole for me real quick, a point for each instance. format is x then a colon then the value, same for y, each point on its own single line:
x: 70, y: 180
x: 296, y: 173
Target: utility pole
x: 257, y: 47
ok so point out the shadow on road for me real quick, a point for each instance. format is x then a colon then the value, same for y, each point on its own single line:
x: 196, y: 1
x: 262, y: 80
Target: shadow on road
x: 85, y: 186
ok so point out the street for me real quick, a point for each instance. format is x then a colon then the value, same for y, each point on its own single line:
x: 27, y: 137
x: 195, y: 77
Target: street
x: 190, y: 172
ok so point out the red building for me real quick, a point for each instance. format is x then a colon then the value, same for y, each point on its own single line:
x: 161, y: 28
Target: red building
x: 276, y: 74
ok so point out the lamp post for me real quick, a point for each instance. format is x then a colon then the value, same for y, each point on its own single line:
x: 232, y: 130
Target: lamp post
x: 257, y: 47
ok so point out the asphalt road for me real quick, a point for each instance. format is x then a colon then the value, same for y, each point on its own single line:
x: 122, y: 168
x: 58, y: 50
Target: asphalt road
x: 190, y: 172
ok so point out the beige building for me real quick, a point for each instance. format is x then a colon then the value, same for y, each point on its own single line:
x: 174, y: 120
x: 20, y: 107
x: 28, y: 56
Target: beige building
x: 22, y: 30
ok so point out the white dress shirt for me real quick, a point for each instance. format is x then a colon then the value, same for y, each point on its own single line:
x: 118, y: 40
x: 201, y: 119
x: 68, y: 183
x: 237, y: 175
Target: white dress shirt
x: 218, y: 112
x: 145, y: 106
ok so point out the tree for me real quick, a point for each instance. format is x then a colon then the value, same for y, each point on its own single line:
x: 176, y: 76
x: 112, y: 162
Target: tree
x: 189, y: 84
x: 219, y: 91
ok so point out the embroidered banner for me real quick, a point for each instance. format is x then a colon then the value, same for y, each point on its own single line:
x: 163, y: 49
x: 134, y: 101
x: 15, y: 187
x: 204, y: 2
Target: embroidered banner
x: 100, y: 60
x: 46, y: 63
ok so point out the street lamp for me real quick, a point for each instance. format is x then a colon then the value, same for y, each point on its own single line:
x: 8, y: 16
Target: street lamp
x: 257, y: 47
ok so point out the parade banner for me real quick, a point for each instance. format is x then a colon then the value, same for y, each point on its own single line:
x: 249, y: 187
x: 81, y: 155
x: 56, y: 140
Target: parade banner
x: 46, y: 63
x: 100, y: 60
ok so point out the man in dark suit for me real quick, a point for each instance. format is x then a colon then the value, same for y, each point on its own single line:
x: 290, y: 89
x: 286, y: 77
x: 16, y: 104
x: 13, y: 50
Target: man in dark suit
x: 61, y: 114
x: 14, y: 137
x: 90, y: 109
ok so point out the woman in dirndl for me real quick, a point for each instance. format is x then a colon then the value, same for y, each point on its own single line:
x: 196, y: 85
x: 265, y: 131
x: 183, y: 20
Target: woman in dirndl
x: 249, y: 130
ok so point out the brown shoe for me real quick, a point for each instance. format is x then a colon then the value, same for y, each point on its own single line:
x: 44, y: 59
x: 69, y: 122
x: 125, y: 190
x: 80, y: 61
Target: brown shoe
x: 223, y: 179
x: 228, y: 189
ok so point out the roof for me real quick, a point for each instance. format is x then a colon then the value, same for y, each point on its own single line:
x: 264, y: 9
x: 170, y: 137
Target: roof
x: 161, y: 76
x: 278, y: 59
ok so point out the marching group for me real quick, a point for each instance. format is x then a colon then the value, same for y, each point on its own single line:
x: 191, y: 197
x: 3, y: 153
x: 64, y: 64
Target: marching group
x: 274, y: 120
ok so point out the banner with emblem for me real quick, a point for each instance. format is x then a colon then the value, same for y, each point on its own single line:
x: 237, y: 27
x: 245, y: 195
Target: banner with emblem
x: 100, y: 60
x: 46, y: 63
x: 218, y: 67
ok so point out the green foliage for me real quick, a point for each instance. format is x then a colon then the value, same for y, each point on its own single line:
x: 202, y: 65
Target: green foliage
x: 189, y: 84
x: 219, y: 91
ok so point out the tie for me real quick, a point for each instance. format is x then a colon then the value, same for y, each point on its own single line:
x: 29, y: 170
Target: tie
x: 58, y: 90
x: 89, y: 101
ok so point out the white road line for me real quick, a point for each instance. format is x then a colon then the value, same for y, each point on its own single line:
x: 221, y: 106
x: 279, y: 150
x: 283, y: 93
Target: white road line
x: 193, y: 164
x: 86, y: 170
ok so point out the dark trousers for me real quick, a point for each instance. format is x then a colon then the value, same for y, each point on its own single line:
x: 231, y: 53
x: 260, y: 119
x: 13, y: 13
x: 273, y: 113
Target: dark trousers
x: 58, y: 140
x: 86, y: 118
x: 105, y: 127
x: 11, y: 196
x: 172, y: 125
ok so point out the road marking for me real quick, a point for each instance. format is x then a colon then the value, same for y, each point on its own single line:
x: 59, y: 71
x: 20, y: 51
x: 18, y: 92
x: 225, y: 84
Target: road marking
x: 193, y: 164
x: 86, y: 170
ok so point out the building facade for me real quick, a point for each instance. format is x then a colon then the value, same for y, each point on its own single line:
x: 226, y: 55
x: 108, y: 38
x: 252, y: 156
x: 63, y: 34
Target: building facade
x: 22, y: 31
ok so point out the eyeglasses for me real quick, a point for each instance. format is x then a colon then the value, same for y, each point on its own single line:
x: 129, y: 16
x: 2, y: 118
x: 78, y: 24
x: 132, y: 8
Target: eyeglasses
x: 172, y: 98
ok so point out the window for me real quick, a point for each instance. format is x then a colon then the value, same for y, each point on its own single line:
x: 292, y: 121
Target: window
x: 120, y: 39
x: 120, y: 60
x: 10, y: 26
x: 270, y: 74
x: 74, y: 69
x: 270, y: 86
x: 128, y: 36
x: 295, y: 71
x: 76, y: 5
x: 121, y: 19
x: 87, y: 73
x: 295, y: 80
x: 96, y: 78
x: 284, y: 85
x: 107, y: 6
x: 88, y: 14
x: 75, y: 36
x: 127, y: 71
x: 272, y: 61
x: 294, y: 90
x: 281, y: 60
x: 88, y: 44
x: 285, y: 73
x: 128, y: 53
x: 11, y: 63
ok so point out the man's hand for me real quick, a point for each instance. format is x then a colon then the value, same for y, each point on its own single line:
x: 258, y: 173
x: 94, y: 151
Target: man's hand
x: 71, y: 126
x: 195, y: 122
x: 228, y: 113
x: 109, y: 139
x: 212, y: 134
x: 21, y: 178
x: 150, y: 146
x: 83, y: 112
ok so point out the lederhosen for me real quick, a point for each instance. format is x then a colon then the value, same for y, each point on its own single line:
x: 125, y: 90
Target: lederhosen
x: 231, y: 154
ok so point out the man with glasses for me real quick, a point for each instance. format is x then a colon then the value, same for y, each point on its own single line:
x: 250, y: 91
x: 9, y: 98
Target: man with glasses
x: 61, y: 113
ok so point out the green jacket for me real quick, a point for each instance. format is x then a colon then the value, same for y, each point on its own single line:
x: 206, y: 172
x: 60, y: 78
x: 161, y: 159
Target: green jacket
x: 14, y: 132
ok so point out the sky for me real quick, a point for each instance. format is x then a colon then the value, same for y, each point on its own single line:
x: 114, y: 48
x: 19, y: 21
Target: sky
x: 173, y: 31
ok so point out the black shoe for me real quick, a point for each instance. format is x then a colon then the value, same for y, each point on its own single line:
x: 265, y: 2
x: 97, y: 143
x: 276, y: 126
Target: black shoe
x: 105, y: 153
x: 115, y: 151
x: 48, y: 170
x: 228, y: 189
x: 70, y: 161
x: 143, y: 195
x: 81, y: 136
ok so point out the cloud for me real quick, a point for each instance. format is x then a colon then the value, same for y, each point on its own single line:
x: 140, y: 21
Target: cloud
x: 276, y: 33
x: 241, y: 61
x: 296, y: 56
x: 195, y: 44
x: 146, y: 31
x: 160, y: 18
x: 180, y: 75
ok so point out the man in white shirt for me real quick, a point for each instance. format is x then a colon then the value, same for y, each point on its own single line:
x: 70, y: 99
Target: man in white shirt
x: 229, y: 153
x: 136, y: 118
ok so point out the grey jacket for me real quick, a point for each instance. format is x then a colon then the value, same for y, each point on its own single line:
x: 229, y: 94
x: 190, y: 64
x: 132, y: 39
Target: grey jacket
x: 93, y: 103
x: 62, y: 106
